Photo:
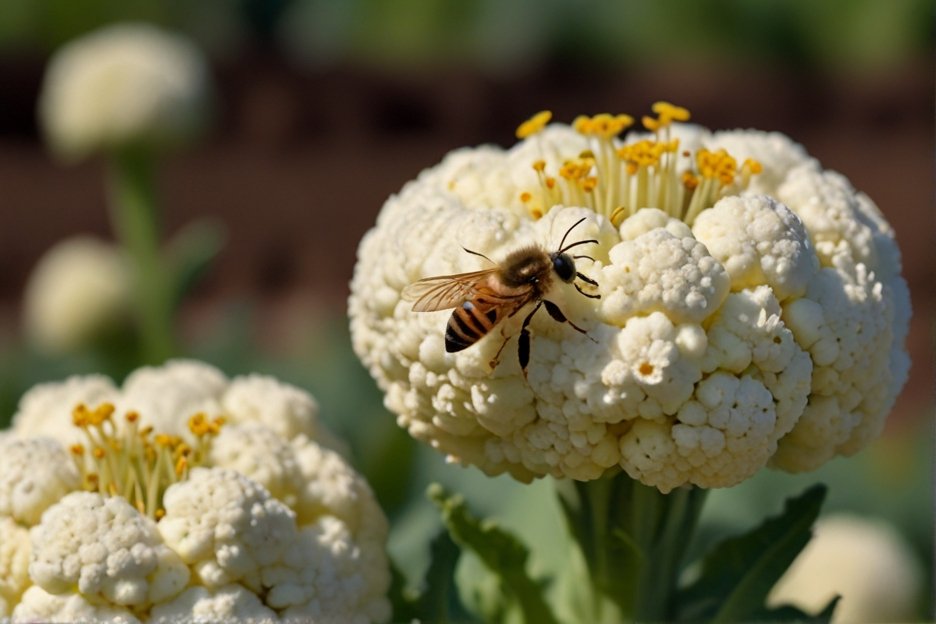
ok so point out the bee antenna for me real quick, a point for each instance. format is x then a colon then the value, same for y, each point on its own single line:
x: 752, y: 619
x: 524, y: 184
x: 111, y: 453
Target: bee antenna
x: 477, y: 253
x: 564, y: 236
x: 576, y: 244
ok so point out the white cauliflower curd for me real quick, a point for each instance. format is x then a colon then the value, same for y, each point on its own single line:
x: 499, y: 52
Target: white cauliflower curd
x: 184, y: 496
x: 77, y: 293
x: 125, y: 85
x: 740, y: 306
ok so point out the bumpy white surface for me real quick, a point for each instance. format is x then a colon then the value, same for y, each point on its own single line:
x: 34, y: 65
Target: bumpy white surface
x: 230, y: 603
x: 34, y: 474
x: 866, y: 562
x: 105, y: 548
x: 79, y: 290
x: 14, y: 563
x: 121, y: 86
x: 38, y: 605
x: 279, y: 525
x: 770, y: 332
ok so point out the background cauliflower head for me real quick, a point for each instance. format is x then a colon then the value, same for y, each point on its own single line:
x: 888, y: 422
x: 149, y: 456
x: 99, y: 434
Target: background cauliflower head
x: 125, y: 85
x: 246, y: 511
x: 751, y: 308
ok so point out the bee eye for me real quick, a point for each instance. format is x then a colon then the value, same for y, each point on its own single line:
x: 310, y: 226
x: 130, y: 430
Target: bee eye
x: 564, y: 266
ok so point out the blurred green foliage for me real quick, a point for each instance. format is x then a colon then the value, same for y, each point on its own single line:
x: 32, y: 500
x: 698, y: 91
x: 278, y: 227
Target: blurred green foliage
x: 502, y: 35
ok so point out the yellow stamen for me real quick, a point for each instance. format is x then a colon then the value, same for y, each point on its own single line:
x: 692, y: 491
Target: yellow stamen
x: 670, y: 112
x: 616, y: 180
x: 534, y: 124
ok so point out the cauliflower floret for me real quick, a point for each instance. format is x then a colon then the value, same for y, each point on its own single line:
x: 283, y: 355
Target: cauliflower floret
x: 165, y: 396
x: 38, y: 605
x: 107, y: 550
x: 286, y: 409
x: 46, y: 408
x: 844, y: 323
x: 661, y: 272
x: 776, y: 152
x: 720, y: 437
x: 230, y: 603
x: 34, y: 474
x: 226, y: 527
x: 749, y: 336
x: 649, y: 219
x: 14, y: 563
x: 345, y: 589
x: 262, y: 456
x: 829, y: 207
x: 758, y: 241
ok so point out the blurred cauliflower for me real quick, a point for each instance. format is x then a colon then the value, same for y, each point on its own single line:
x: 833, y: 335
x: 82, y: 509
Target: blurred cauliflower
x: 78, y: 292
x: 122, y: 86
x: 184, y: 495
x: 751, y: 308
x: 866, y: 562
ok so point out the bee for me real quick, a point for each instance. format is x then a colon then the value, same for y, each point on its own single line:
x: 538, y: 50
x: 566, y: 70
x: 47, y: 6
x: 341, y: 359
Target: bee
x: 483, y: 299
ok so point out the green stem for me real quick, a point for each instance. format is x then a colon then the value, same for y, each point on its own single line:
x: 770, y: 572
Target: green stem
x: 632, y: 539
x: 135, y: 219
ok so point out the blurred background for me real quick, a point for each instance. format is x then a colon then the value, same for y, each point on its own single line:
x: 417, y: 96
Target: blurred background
x: 323, y: 108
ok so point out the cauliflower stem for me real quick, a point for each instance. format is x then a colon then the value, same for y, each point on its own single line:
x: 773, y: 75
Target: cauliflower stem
x: 134, y: 218
x: 632, y: 539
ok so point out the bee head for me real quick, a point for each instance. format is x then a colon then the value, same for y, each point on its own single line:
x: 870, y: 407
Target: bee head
x: 563, y: 265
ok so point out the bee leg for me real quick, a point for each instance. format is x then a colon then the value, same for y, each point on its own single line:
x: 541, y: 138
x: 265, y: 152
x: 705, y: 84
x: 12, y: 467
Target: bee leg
x: 557, y: 315
x: 496, y: 359
x: 590, y: 296
x: 523, y: 342
x: 585, y: 278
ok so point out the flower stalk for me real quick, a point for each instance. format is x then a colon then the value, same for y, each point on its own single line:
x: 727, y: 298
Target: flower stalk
x: 632, y: 539
x: 135, y: 219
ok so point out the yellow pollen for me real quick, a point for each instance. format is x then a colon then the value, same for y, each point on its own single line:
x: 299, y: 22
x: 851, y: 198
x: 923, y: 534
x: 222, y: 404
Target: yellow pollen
x: 539, y: 165
x: 670, y: 112
x: 582, y: 124
x: 650, y: 123
x: 160, y: 513
x: 80, y: 415
x: 98, y: 453
x: 132, y: 416
x: 525, y: 197
x: 77, y: 449
x: 534, y: 124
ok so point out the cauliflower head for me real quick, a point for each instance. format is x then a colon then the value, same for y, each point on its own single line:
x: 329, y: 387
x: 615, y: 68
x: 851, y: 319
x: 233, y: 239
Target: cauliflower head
x: 78, y: 292
x: 125, y: 85
x: 732, y: 305
x: 184, y: 495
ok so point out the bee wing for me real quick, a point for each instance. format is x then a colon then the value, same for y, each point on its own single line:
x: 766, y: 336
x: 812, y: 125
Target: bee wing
x: 445, y: 291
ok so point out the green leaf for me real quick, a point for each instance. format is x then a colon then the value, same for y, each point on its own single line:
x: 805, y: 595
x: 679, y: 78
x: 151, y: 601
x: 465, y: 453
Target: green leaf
x: 739, y: 572
x: 500, y: 551
x: 439, y: 602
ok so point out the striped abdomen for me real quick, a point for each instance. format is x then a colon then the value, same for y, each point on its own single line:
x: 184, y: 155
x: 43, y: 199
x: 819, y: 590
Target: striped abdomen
x: 470, y: 322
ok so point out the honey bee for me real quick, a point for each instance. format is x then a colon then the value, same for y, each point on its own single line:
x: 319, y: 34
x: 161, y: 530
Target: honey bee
x: 483, y: 299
